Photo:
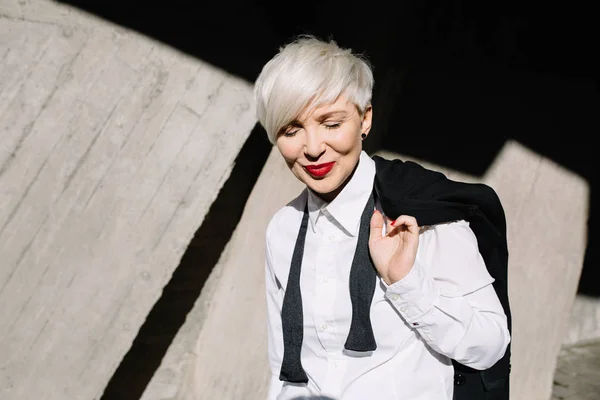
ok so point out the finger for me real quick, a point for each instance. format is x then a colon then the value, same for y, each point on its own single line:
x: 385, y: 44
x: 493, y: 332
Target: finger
x: 389, y: 225
x: 409, y: 222
x: 376, y: 226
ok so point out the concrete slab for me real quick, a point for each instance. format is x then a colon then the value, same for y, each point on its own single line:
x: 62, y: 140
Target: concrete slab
x: 112, y: 149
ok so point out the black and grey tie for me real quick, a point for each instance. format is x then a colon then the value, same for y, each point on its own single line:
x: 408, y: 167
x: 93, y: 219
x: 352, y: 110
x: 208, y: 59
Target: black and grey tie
x: 363, y: 278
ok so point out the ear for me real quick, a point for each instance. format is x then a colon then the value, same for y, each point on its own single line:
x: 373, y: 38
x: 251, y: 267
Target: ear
x: 367, y: 119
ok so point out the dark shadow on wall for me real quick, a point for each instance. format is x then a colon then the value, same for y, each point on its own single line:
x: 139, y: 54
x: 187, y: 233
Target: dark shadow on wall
x: 183, y: 289
x: 454, y: 81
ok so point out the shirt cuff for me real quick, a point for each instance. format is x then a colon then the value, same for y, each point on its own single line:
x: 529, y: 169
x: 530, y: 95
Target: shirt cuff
x: 413, y: 296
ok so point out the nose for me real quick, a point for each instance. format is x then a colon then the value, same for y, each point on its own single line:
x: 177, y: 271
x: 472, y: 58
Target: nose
x: 314, y: 146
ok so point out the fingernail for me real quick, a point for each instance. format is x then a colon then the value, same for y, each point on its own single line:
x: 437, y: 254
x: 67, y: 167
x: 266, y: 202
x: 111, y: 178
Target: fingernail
x: 393, y: 223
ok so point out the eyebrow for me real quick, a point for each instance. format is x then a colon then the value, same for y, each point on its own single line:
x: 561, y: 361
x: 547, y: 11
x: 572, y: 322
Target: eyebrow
x: 320, y: 118
x: 331, y: 114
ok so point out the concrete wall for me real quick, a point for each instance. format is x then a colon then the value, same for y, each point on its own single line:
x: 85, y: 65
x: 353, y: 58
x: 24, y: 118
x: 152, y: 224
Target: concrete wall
x: 223, y: 354
x: 584, y: 321
x: 112, y: 149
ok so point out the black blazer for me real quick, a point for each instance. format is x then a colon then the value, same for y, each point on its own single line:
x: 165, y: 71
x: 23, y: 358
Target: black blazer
x: 430, y: 197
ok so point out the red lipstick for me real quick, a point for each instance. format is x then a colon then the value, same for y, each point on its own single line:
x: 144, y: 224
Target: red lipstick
x: 319, y: 169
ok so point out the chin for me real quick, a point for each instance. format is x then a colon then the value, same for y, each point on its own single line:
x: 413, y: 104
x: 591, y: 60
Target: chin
x: 325, y: 185
x: 323, y: 189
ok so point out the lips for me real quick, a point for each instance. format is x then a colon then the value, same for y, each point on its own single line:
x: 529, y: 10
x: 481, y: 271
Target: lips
x: 319, y: 169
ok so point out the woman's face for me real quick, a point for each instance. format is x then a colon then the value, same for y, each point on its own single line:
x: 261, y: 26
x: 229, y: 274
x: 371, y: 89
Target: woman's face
x: 323, y: 145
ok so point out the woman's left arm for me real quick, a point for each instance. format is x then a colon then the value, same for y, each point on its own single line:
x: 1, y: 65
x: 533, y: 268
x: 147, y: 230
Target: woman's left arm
x: 448, y: 298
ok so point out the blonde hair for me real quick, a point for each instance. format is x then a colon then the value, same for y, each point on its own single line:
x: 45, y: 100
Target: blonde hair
x: 305, y: 73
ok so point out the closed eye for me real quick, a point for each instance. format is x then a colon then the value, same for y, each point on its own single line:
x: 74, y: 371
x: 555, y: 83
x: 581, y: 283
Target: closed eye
x: 290, y: 130
x: 333, y: 125
x: 290, y: 133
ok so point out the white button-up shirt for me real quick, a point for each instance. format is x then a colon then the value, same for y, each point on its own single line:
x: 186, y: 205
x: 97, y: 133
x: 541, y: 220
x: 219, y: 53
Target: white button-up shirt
x: 445, y: 308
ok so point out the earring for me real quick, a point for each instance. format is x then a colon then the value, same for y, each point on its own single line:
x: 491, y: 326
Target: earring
x: 363, y: 136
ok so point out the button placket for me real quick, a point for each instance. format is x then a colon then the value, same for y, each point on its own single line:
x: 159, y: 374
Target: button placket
x: 325, y: 294
x: 335, y: 373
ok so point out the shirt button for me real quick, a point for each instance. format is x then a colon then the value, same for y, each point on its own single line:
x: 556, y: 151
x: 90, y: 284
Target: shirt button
x: 459, y: 379
x: 324, y: 327
x: 331, y: 238
x: 403, y: 309
x: 394, y: 297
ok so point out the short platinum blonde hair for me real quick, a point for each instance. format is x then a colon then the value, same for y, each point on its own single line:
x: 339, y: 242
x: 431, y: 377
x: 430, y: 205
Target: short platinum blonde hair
x: 307, y: 73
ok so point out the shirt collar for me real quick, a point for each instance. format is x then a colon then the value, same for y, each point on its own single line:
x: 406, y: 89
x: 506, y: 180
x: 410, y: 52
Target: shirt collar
x: 348, y: 206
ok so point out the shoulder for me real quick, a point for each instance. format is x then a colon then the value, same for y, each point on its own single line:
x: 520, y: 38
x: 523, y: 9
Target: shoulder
x: 281, y: 236
x: 452, y: 229
x: 286, y: 217
x: 454, y: 234
x: 404, y: 179
x: 418, y: 180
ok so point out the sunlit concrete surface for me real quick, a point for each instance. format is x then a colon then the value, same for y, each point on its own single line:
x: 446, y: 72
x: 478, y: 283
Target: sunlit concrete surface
x: 584, y: 322
x: 577, y: 375
x: 112, y: 149
x: 221, y: 351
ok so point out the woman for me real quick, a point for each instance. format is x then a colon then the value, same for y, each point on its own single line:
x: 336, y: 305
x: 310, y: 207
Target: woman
x: 375, y: 284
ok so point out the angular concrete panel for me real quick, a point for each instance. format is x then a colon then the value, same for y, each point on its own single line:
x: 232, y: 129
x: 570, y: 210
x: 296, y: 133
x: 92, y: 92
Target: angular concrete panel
x: 547, y: 209
x: 220, y: 352
x: 112, y: 148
